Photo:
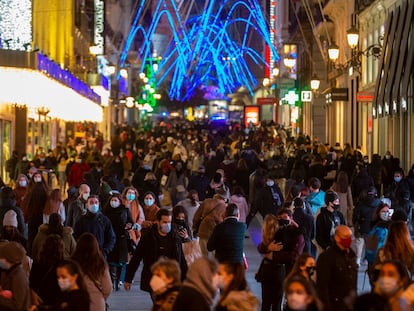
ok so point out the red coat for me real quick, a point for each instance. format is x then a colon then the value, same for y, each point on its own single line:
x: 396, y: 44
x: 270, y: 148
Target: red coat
x: 77, y: 170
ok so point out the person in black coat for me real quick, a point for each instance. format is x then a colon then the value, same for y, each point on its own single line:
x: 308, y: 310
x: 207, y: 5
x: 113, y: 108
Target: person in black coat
x: 227, y: 238
x: 96, y: 223
x: 200, y: 182
x: 158, y: 241
x: 328, y: 218
x: 269, y: 198
x: 306, y: 223
x: 121, y: 220
x: 337, y: 272
x: 8, y: 202
x: 360, y: 182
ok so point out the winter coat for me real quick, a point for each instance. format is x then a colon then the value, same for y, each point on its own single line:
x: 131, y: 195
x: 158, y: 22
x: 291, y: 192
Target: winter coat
x: 148, y: 251
x: 243, y: 300
x: 119, y: 218
x: 15, y: 280
x: 326, y: 222
x: 337, y: 277
x: 40, y: 239
x: 98, y: 296
x: 209, y: 214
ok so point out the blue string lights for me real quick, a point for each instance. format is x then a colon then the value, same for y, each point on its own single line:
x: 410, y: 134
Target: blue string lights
x: 211, y: 48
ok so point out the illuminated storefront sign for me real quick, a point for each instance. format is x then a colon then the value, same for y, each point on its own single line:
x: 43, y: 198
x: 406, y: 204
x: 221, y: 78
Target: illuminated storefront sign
x: 99, y: 27
x: 251, y: 115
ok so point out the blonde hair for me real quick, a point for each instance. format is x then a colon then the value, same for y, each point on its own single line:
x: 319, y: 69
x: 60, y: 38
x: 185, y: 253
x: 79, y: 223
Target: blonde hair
x: 269, y: 228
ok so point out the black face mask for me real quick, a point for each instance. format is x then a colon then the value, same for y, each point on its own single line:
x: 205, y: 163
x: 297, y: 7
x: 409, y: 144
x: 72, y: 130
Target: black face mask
x: 310, y: 270
x: 336, y: 207
x: 284, y: 222
x: 180, y: 222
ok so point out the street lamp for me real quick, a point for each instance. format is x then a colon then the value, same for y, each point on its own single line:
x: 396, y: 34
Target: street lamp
x: 333, y: 52
x: 315, y: 83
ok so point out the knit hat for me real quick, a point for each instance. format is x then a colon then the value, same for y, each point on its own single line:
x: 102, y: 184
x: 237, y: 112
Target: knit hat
x: 13, y: 252
x: 330, y: 196
x: 10, y: 219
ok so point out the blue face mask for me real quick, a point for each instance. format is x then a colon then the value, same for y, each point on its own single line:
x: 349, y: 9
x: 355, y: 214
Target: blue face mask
x: 94, y: 208
x: 397, y: 179
x: 130, y: 196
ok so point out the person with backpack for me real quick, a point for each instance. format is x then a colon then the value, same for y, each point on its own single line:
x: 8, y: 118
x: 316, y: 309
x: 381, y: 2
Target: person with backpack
x: 376, y: 237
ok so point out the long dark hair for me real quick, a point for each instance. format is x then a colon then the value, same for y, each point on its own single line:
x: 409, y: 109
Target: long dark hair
x: 89, y: 256
x: 55, y: 225
x: 74, y: 269
x: 51, y: 252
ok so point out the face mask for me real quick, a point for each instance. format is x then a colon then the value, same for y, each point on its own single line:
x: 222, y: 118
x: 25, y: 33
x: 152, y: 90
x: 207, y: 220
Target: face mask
x: 22, y: 183
x: 79, y: 161
x: 397, y: 179
x: 64, y: 284
x: 4, y: 265
x: 310, y: 270
x: 296, y: 301
x: 146, y: 167
x: 165, y: 228
x: 157, y: 283
x: 336, y: 206
x: 270, y: 183
x: 284, y: 222
x: 346, y: 243
x: 94, y: 208
x: 130, y: 196
x: 220, y: 282
x: 180, y: 222
x: 114, y: 204
x: 148, y: 202
x: 37, y: 179
x: 387, y: 285
x: 117, y: 161
x: 85, y: 196
x: 384, y: 215
x: 387, y: 157
x: 24, y: 159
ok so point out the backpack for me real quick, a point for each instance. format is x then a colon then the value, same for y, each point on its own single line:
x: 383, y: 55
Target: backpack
x: 374, y: 241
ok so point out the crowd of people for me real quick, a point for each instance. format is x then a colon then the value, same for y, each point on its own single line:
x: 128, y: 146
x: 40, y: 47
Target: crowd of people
x: 78, y: 220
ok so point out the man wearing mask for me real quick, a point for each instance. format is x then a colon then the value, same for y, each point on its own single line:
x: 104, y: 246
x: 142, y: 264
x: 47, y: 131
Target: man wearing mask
x: 269, y: 198
x: 76, y: 172
x: 77, y: 208
x: 158, y: 241
x: 337, y: 272
x: 97, y: 224
x: 327, y: 220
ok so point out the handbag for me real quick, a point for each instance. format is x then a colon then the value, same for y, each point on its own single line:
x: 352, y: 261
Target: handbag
x: 130, y: 242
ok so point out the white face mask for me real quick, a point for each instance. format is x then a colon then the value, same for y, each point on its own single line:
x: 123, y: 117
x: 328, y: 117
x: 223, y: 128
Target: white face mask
x: 216, y: 281
x: 22, y: 183
x: 85, y: 196
x: 157, y: 283
x: 270, y: 183
x: 114, y: 203
x: 37, y: 179
x: 388, y: 285
x: 297, y: 301
x: 64, y: 284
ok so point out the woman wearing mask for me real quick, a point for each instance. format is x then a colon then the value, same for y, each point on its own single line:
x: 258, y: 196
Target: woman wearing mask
x: 150, y: 209
x: 95, y: 271
x: 165, y: 283
x: 376, y: 238
x: 121, y: 220
x: 304, y: 266
x: 235, y: 294
x: 130, y: 201
x: 20, y: 189
x: 300, y: 295
x: 74, y: 294
x: 392, y: 281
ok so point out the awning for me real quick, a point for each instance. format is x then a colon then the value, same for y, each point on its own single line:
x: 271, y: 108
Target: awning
x: 397, y: 60
x: 36, y: 90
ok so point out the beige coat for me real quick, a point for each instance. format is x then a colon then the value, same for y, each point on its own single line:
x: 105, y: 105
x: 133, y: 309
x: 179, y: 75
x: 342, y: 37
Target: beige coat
x: 212, y: 213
